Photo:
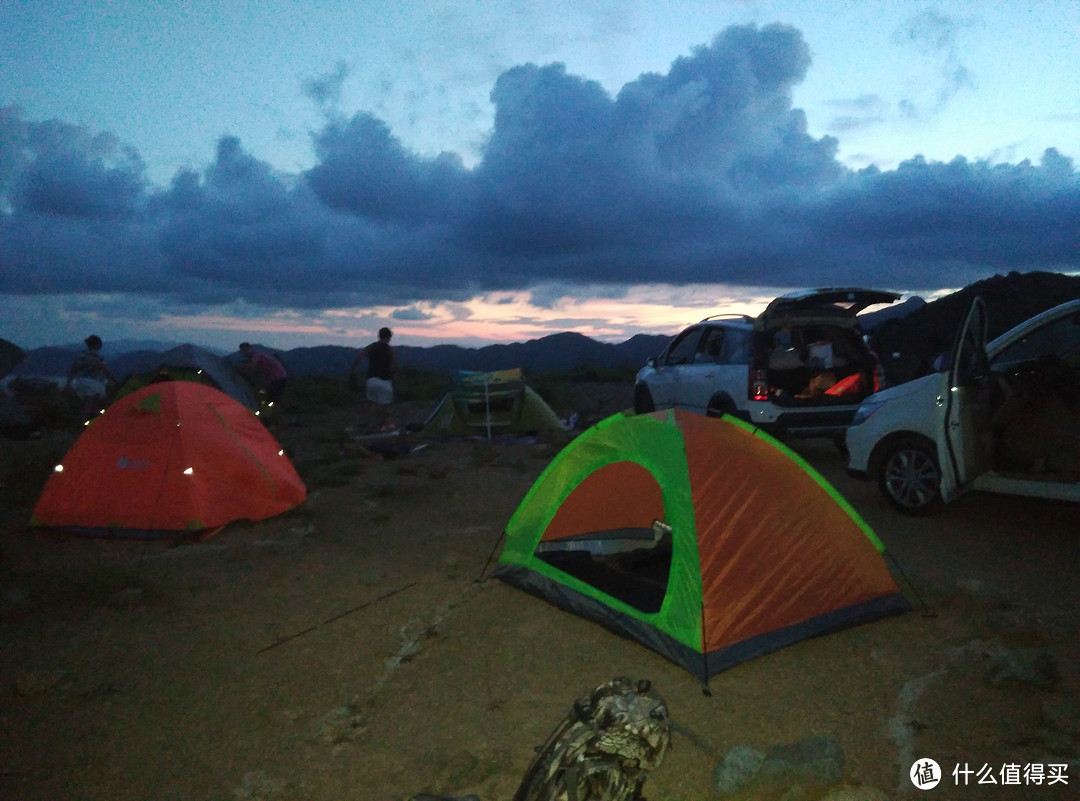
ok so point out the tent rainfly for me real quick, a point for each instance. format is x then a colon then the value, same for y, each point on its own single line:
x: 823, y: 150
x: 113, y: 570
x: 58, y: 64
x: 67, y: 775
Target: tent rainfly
x: 703, y: 538
x: 192, y: 363
x: 171, y: 458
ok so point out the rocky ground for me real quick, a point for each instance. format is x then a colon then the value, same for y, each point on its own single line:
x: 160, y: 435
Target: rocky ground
x: 346, y: 650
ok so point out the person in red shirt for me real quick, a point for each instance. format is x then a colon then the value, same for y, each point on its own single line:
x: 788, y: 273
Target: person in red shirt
x: 265, y: 369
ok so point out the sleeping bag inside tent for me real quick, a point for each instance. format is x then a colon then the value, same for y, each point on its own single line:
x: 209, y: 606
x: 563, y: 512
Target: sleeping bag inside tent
x: 703, y: 538
x: 171, y: 458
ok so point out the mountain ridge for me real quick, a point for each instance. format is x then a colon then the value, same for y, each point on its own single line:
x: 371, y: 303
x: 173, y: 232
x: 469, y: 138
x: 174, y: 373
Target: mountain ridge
x: 914, y: 331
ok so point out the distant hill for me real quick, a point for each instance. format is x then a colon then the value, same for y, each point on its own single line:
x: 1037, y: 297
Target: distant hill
x: 10, y: 355
x: 556, y: 352
x: 1010, y: 299
x: 871, y: 320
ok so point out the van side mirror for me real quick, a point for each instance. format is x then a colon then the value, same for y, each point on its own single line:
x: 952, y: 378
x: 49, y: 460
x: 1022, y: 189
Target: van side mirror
x: 651, y: 362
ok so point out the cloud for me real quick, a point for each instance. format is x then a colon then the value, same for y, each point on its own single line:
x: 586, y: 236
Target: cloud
x: 59, y: 169
x: 703, y: 174
x: 941, y: 75
x: 325, y: 89
x: 411, y: 314
x: 856, y: 113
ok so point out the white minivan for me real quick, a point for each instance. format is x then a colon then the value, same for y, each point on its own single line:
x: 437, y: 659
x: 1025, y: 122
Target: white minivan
x: 1002, y: 417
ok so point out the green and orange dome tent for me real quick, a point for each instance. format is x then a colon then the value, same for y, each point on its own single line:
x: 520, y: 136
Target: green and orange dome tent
x: 703, y: 538
x: 171, y: 459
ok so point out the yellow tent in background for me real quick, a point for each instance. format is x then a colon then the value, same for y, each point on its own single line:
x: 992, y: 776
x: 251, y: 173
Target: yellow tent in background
x: 487, y: 404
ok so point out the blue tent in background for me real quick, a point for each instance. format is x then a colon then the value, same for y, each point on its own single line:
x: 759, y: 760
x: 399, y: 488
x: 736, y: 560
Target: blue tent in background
x: 192, y: 363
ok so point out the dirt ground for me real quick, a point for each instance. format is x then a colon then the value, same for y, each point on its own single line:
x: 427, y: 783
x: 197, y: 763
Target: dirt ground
x: 346, y: 650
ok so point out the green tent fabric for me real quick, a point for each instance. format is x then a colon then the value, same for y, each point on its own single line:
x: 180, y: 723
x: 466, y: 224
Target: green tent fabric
x: 489, y: 404
x: 703, y: 538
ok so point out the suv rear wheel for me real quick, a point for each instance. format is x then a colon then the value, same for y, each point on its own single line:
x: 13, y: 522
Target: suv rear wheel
x: 909, y: 476
x: 721, y: 404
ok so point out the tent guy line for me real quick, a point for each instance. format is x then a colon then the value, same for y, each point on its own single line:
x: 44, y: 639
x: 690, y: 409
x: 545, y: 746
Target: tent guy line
x: 336, y: 617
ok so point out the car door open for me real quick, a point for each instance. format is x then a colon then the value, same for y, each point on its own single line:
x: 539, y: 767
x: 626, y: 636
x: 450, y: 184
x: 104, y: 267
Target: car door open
x: 968, y: 435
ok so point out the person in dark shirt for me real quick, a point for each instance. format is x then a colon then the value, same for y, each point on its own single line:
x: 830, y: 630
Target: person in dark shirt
x: 379, y: 387
x: 89, y: 375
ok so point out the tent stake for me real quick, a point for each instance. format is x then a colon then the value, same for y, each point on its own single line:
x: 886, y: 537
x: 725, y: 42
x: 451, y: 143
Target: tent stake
x: 927, y: 611
x: 491, y: 555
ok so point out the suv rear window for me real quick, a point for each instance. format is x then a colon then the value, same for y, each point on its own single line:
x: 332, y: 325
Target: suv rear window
x: 723, y: 345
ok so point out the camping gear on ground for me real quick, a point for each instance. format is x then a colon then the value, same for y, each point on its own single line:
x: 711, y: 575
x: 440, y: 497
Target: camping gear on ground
x: 192, y: 363
x: 171, y: 458
x: 487, y: 404
x: 604, y: 748
x: 703, y: 538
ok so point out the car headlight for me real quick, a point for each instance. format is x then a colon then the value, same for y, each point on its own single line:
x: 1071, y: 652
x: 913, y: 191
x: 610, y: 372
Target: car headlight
x: 864, y: 411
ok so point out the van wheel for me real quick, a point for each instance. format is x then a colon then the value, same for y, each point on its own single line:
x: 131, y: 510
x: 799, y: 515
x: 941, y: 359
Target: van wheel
x: 643, y: 402
x: 719, y: 405
x: 909, y: 476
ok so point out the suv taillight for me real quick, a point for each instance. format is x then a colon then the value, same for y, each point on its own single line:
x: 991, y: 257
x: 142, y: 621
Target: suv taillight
x: 879, y: 378
x: 759, y: 386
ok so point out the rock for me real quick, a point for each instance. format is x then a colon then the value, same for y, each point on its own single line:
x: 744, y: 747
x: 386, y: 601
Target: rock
x: 788, y: 767
x: 737, y: 769
x: 1061, y: 714
x: 303, y: 531
x: 817, y: 759
x: 1034, y: 666
x: 345, y: 724
x: 257, y: 786
x: 369, y: 577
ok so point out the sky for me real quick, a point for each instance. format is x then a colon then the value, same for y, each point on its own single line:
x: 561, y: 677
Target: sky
x: 471, y: 172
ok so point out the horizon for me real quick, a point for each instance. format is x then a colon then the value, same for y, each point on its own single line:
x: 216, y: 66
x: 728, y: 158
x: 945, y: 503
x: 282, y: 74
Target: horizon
x: 226, y: 345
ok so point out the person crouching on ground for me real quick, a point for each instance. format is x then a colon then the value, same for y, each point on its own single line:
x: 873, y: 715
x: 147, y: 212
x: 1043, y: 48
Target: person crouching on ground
x: 265, y: 370
x: 379, y: 387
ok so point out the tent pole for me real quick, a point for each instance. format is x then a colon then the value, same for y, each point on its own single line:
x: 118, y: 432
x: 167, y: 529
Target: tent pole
x: 490, y: 556
x: 487, y: 409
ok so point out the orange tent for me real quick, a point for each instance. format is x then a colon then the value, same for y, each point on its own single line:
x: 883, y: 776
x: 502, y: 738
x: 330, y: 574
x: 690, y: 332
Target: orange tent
x: 172, y: 457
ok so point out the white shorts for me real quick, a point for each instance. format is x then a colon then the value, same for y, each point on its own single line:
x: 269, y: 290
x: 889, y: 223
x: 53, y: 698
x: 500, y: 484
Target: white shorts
x: 379, y: 390
x: 86, y: 387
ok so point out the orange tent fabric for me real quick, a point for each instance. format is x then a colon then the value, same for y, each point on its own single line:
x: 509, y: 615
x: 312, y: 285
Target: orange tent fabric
x: 171, y: 457
x: 703, y: 538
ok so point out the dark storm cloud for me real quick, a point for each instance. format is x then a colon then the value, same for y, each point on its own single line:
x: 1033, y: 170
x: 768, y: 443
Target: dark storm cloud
x: 364, y: 169
x: 703, y: 174
x: 71, y: 173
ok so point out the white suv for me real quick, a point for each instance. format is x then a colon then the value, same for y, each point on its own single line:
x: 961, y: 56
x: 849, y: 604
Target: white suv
x: 1003, y: 417
x: 800, y: 368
